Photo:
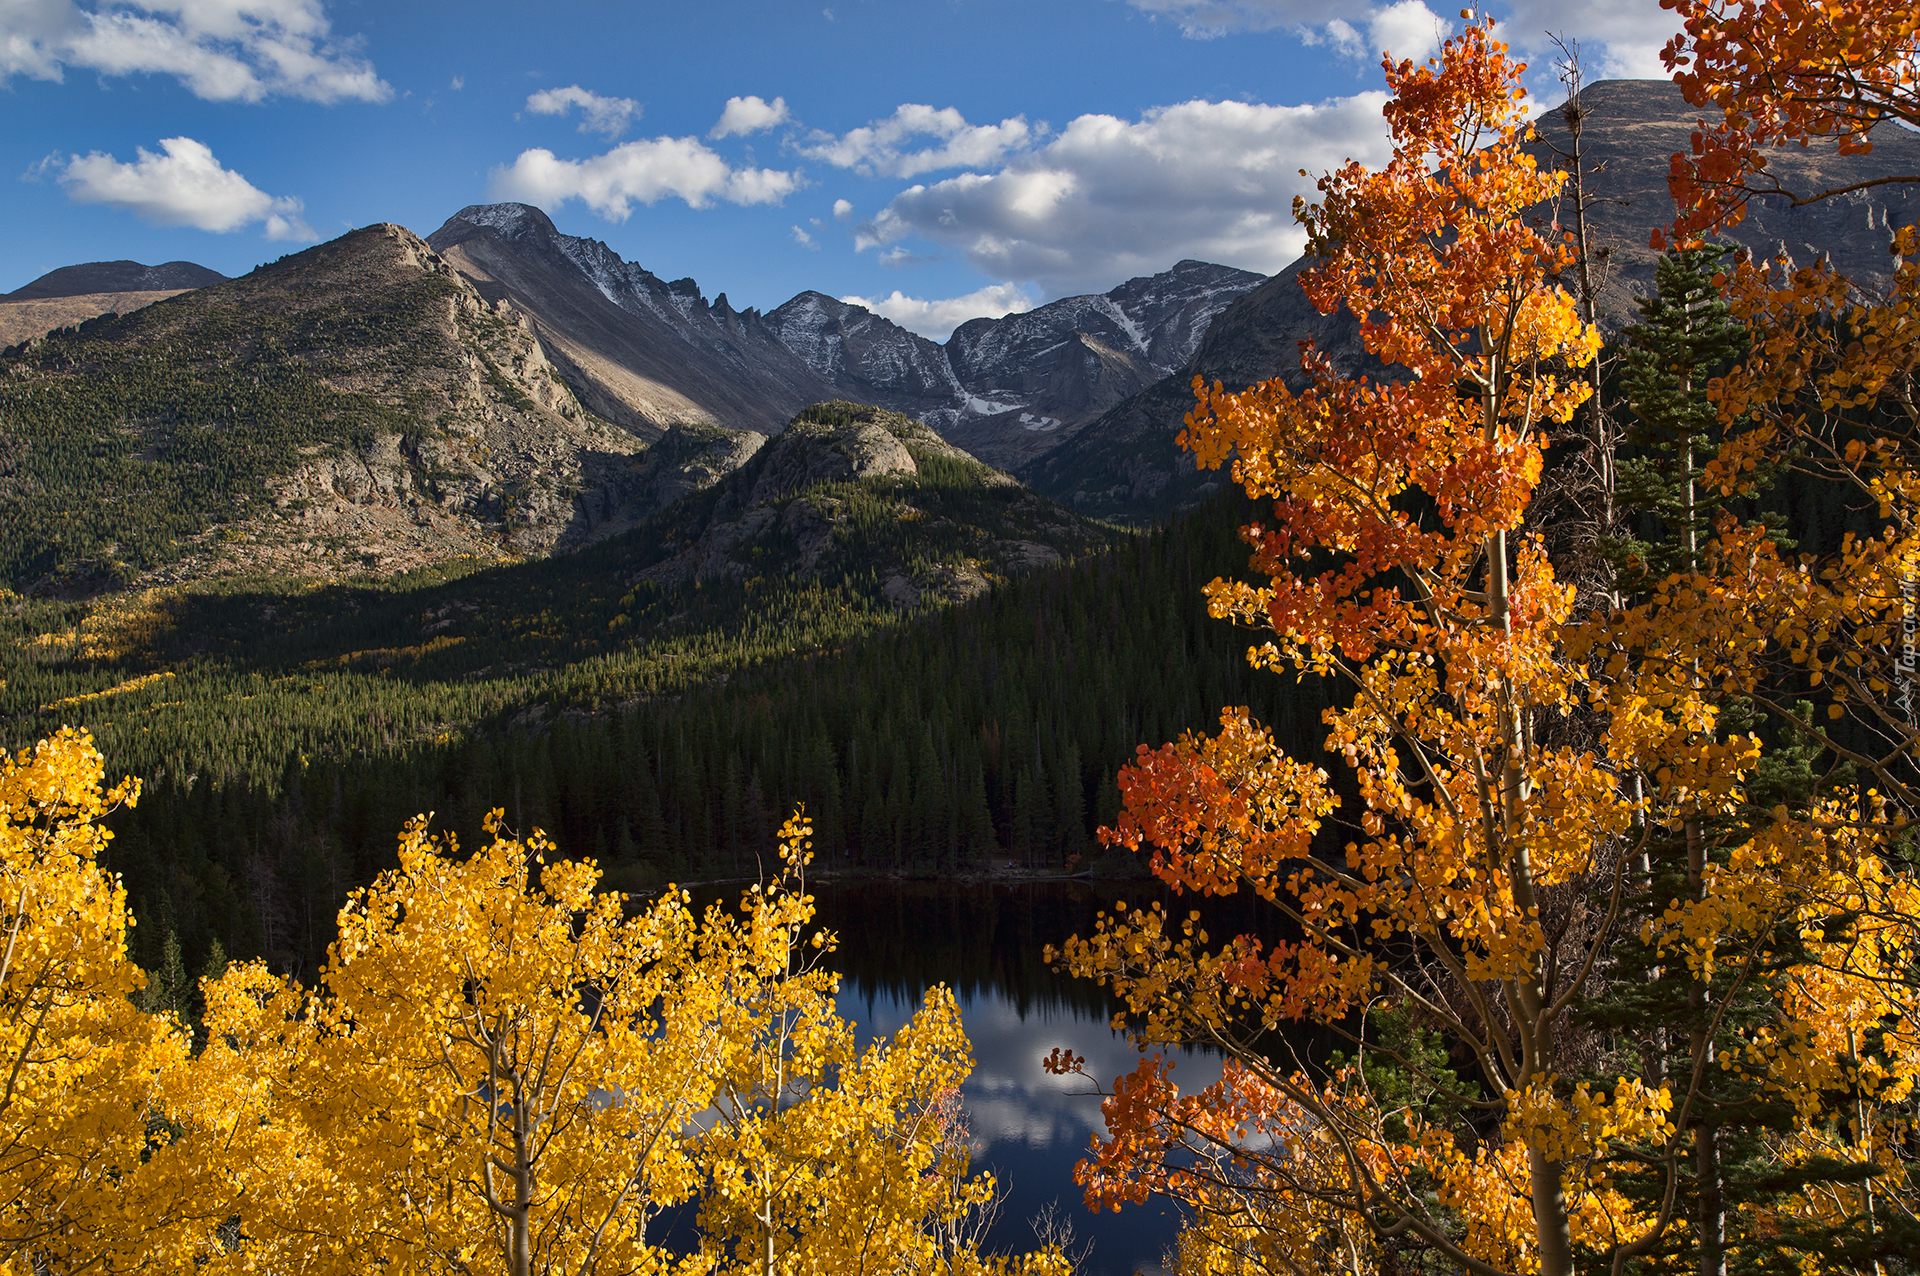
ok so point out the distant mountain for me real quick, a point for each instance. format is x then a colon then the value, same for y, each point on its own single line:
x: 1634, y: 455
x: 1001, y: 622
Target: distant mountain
x: 115, y: 276
x: 1125, y: 464
x: 354, y: 408
x: 1009, y: 389
x: 644, y: 352
x: 25, y: 320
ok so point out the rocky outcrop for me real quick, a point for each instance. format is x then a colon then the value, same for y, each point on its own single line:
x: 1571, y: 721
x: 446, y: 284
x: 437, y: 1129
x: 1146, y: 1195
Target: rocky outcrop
x: 1125, y: 464
x: 822, y: 496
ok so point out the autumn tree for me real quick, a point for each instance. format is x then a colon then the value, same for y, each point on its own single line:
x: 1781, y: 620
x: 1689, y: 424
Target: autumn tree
x: 1779, y: 72
x: 822, y: 1156
x: 85, y: 1164
x: 1512, y: 761
x: 502, y: 1070
x: 1396, y: 560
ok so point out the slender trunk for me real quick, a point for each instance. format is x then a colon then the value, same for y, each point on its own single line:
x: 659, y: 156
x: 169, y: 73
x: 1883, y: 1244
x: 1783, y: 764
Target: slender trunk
x: 1711, y: 1213
x: 1863, y: 1144
x: 1575, y: 116
x: 1552, y: 1227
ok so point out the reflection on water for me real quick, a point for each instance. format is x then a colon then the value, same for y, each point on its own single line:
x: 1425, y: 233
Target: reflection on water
x: 986, y: 942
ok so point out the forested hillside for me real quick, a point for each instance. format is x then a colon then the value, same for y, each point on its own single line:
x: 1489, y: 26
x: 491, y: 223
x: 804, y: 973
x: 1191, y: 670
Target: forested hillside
x: 988, y: 730
x: 659, y: 700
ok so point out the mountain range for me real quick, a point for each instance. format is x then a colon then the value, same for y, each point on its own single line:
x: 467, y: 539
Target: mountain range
x: 380, y: 403
x: 644, y: 352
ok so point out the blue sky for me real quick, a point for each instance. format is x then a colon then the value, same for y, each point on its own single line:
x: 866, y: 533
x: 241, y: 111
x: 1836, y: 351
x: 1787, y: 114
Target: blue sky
x: 937, y: 158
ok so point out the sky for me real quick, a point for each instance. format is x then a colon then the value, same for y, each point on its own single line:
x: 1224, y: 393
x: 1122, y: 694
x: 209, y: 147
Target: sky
x: 936, y: 160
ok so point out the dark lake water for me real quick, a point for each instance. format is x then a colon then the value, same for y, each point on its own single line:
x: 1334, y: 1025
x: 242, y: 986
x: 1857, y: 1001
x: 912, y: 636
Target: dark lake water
x: 985, y: 942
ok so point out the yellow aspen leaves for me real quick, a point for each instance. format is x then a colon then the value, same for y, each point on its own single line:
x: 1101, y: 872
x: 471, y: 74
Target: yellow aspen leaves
x: 500, y: 1070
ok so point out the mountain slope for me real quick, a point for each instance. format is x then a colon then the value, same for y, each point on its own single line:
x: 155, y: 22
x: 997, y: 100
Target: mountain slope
x: 1125, y: 464
x: 357, y: 406
x: 641, y: 352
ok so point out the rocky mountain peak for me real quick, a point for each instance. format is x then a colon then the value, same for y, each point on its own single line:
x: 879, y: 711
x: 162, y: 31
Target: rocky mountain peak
x: 511, y: 221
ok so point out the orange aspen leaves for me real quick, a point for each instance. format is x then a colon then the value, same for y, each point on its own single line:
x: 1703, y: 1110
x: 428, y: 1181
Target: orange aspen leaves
x: 1779, y: 72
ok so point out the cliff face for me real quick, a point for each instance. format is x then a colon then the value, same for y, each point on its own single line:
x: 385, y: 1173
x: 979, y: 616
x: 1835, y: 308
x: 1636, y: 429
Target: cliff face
x: 1125, y: 464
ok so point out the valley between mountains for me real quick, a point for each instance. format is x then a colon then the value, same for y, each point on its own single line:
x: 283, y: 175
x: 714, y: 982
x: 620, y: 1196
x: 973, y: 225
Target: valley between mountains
x: 399, y: 523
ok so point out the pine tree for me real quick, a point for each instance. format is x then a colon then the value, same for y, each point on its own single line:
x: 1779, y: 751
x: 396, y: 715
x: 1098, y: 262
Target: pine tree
x: 1655, y: 1009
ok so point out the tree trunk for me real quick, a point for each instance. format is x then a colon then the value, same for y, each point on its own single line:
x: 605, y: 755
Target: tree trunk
x: 1711, y: 1216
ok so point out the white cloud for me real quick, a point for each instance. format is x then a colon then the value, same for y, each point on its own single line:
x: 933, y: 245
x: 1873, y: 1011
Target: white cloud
x: 744, y: 115
x: 802, y: 238
x: 1621, y: 38
x: 842, y: 210
x: 1405, y: 30
x: 222, y: 50
x: 457, y: 83
x: 938, y: 318
x: 1108, y: 199
x: 608, y: 116
x: 646, y: 171
x: 186, y: 186
x: 879, y: 147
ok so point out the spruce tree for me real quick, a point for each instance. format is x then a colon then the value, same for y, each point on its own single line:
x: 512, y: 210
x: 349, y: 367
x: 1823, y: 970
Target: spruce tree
x: 1657, y: 1012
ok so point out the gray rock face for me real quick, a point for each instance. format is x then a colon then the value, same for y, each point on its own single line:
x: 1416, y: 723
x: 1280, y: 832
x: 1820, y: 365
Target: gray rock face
x: 691, y: 458
x: 862, y: 353
x: 1126, y: 465
x: 810, y: 452
x: 115, y: 276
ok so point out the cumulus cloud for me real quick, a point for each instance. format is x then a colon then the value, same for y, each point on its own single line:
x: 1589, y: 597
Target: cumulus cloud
x: 802, y: 238
x: 646, y: 171
x: 744, y: 115
x: 1621, y: 38
x: 608, y: 116
x: 842, y: 210
x: 1406, y: 30
x: 221, y: 50
x: 185, y: 186
x: 938, y: 318
x: 1109, y: 198
x: 882, y: 147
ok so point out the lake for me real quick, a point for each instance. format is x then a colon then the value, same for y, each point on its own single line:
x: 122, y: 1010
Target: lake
x: 985, y: 942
